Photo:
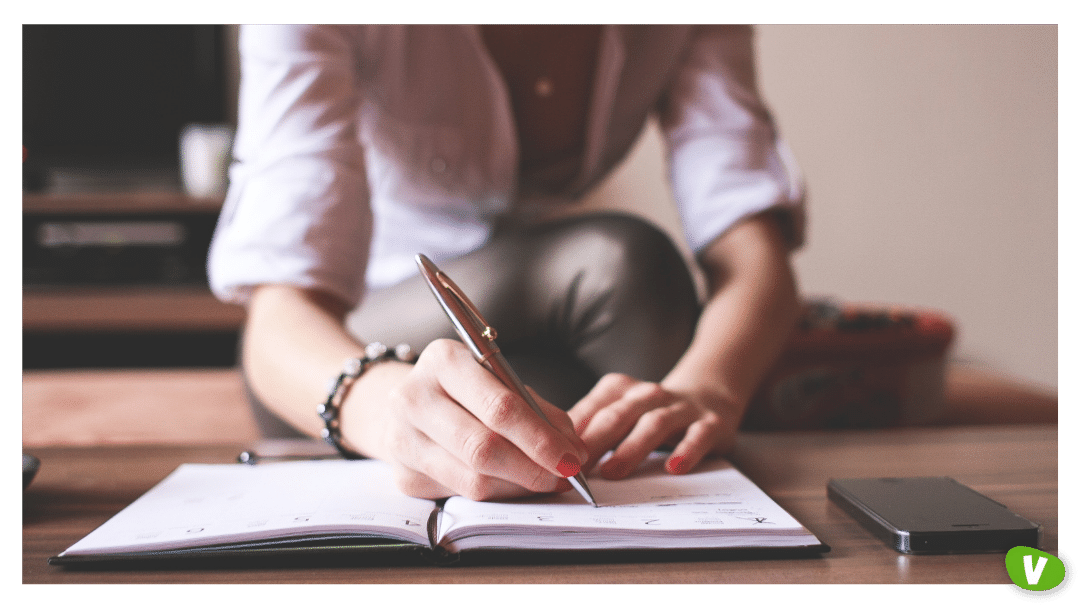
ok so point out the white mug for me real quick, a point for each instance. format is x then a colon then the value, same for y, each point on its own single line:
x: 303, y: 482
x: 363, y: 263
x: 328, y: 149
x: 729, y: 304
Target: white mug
x: 205, y: 151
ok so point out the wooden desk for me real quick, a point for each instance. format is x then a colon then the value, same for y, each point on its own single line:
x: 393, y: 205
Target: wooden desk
x: 146, y: 406
x: 200, y: 406
x: 78, y: 488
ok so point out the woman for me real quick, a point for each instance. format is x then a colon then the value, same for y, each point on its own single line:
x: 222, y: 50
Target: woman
x: 361, y: 146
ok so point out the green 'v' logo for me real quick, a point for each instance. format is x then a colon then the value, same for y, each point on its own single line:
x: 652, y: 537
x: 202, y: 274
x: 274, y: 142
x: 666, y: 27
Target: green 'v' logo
x: 1034, y: 570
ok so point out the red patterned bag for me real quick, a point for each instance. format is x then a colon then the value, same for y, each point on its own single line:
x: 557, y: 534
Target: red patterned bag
x: 850, y: 366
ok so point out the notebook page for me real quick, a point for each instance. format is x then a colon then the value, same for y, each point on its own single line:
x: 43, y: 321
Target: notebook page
x: 716, y: 505
x: 203, y: 504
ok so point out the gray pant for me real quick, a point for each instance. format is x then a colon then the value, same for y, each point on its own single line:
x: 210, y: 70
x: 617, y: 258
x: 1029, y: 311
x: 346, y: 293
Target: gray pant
x: 571, y: 300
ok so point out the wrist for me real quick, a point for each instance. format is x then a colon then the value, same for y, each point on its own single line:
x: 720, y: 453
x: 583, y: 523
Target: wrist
x: 331, y: 409
x: 366, y: 411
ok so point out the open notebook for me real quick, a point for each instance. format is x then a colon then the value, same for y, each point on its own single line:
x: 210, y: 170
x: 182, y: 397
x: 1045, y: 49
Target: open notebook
x: 242, y: 510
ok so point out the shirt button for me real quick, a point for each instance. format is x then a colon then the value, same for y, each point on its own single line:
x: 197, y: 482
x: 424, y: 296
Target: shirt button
x: 438, y: 165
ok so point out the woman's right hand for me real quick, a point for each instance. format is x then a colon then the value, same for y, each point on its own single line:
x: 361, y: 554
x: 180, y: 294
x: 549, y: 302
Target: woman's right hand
x: 448, y: 426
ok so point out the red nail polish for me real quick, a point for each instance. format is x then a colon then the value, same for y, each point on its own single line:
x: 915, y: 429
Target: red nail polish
x: 675, y: 465
x: 569, y: 465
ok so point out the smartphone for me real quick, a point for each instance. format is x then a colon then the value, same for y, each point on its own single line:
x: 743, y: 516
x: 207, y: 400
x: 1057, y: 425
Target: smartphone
x: 921, y: 515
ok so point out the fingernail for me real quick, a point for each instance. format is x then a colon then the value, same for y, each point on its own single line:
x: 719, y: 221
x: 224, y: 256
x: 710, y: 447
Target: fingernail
x: 569, y: 465
x: 675, y: 465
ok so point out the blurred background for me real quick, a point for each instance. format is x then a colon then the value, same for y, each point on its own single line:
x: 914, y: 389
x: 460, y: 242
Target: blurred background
x: 115, y: 233
x: 930, y: 154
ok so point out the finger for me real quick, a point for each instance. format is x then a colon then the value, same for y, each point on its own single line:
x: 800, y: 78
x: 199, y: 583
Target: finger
x: 501, y: 410
x: 562, y: 423
x: 481, y: 449
x: 606, y: 391
x: 426, y: 470
x: 651, y: 431
x: 612, y: 424
x: 701, y: 438
x: 609, y: 389
x: 432, y: 417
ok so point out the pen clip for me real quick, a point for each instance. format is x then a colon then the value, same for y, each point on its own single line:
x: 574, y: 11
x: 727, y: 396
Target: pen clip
x: 469, y: 323
x: 485, y: 330
x: 480, y: 338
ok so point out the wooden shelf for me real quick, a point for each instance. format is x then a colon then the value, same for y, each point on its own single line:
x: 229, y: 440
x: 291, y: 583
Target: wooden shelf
x: 124, y: 308
x: 149, y: 201
x: 142, y: 308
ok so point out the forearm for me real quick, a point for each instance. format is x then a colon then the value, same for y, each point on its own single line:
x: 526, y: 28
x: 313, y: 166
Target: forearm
x: 446, y: 424
x: 294, y: 342
x: 746, y: 321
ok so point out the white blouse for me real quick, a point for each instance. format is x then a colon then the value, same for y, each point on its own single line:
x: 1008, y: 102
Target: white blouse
x: 360, y: 146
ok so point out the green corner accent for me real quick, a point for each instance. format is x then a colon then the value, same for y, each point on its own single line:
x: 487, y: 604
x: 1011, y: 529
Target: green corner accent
x: 1034, y: 570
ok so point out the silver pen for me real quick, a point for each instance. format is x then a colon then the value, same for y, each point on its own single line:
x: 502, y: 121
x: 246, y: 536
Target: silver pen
x: 480, y: 338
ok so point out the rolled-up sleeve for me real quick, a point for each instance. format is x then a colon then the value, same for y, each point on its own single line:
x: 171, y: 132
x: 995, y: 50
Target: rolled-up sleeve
x: 726, y: 160
x: 297, y: 211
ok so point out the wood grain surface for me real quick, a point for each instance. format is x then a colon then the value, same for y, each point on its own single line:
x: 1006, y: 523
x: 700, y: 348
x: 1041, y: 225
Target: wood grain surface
x: 79, y: 487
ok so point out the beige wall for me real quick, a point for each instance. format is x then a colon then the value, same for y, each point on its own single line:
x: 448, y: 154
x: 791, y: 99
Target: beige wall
x: 931, y: 158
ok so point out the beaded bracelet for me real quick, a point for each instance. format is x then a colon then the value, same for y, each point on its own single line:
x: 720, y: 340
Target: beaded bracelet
x: 330, y: 409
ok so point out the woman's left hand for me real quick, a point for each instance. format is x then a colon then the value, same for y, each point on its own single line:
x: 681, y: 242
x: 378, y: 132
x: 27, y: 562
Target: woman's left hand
x: 634, y: 417
x: 747, y: 317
